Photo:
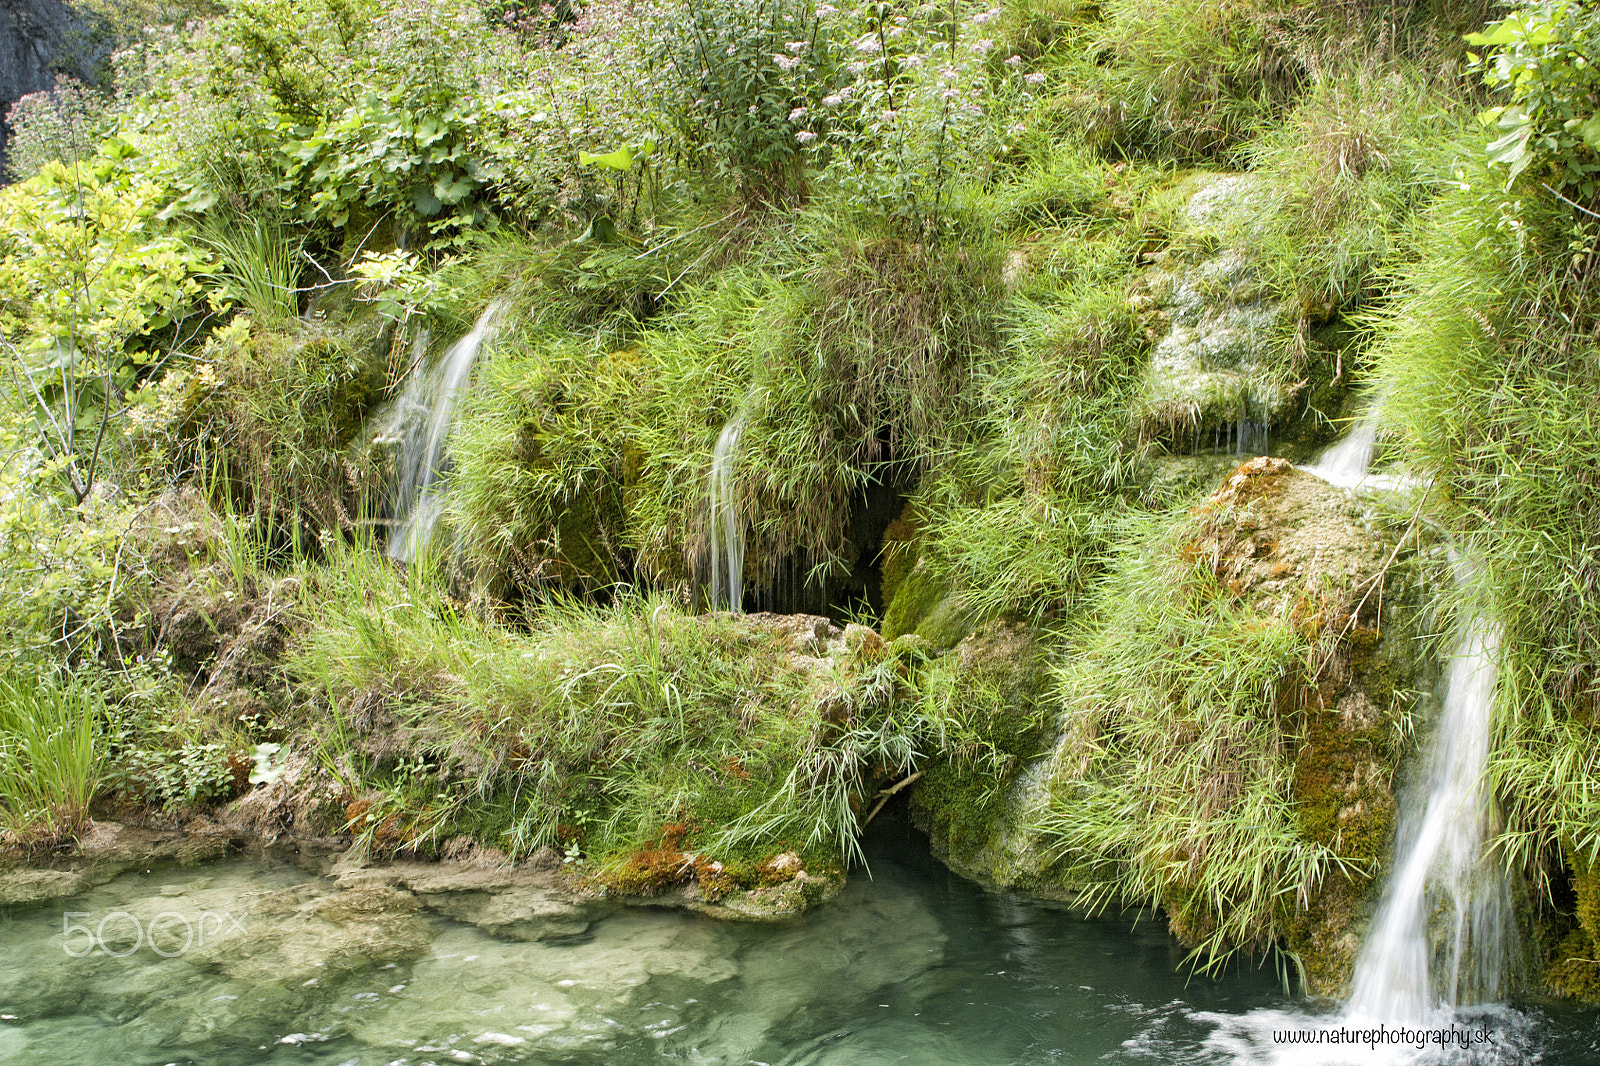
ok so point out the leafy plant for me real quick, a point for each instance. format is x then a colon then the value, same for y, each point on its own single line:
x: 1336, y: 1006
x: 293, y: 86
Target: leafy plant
x: 191, y: 775
x: 1543, y: 59
x: 736, y: 77
x: 403, y: 153
x: 95, y: 285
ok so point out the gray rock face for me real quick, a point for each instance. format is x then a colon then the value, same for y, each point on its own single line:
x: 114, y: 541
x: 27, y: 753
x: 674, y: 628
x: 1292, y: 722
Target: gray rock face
x: 38, y: 40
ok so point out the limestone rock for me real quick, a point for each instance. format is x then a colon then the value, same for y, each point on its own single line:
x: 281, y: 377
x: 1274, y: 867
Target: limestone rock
x: 525, y: 914
x: 1213, y: 375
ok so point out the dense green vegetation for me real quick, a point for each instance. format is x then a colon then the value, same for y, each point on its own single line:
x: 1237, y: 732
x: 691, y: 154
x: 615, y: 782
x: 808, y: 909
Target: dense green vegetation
x: 997, y: 294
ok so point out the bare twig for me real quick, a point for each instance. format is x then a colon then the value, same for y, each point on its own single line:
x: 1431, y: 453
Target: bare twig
x: 886, y: 795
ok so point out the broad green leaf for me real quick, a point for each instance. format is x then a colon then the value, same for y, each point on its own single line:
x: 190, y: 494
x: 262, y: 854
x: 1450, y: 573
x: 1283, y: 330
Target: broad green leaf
x: 621, y: 159
x: 1510, y: 148
x: 1590, y: 132
x: 601, y: 231
x: 425, y: 202
x: 430, y: 130
x: 452, y: 190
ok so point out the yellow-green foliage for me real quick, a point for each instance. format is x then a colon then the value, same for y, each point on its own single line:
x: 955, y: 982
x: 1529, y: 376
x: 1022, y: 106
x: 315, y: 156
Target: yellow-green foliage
x: 266, y: 420
x: 59, y: 576
x: 92, y: 285
x: 88, y: 265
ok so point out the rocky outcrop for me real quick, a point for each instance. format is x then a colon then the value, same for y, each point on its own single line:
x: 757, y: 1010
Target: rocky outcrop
x: 1215, y: 377
x: 38, y: 40
x: 1282, y: 547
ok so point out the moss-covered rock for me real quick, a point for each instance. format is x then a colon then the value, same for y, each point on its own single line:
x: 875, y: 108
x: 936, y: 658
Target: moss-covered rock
x: 1274, y: 563
x: 1216, y: 376
x: 1572, y: 959
x: 978, y: 812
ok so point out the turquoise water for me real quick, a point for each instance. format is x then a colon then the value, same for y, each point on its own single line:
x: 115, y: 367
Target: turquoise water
x: 912, y: 965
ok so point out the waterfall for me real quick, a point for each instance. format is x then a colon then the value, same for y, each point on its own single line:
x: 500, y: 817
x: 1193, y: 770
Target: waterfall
x: 421, y: 423
x: 726, y: 532
x: 1440, y: 937
x: 1442, y: 932
x: 1346, y: 463
x: 1445, y: 927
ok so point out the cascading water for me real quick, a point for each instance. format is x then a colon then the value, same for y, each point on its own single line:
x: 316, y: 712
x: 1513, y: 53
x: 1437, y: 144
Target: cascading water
x: 1347, y: 462
x: 1444, y: 929
x: 1412, y: 963
x: 726, y: 532
x: 421, y: 424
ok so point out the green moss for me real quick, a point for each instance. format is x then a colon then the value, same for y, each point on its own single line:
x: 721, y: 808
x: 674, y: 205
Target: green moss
x: 915, y: 596
x: 948, y: 622
x: 990, y: 689
x: 899, y: 553
x: 960, y: 807
x: 1572, y: 966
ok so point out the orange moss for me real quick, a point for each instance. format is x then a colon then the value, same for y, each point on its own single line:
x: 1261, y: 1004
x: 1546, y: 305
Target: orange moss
x: 647, y: 872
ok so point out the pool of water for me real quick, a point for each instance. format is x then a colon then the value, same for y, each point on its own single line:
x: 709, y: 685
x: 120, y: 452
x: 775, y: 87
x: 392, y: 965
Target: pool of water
x: 910, y: 965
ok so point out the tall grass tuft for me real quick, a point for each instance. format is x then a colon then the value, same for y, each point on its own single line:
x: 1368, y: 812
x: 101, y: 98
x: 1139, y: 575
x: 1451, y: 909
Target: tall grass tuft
x: 50, y: 755
x: 260, y: 266
x: 1491, y: 369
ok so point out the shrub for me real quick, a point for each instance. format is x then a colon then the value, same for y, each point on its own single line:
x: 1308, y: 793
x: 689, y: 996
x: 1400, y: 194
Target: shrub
x: 97, y: 290
x: 737, y: 78
x: 63, y: 125
x: 1543, y: 60
x: 266, y: 422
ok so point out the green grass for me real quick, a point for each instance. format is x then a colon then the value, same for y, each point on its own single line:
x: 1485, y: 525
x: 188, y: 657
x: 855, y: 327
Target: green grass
x: 51, y: 755
x: 270, y: 431
x: 260, y: 266
x: 1364, y: 147
x: 593, y: 726
x: 1174, y: 786
x: 1487, y: 359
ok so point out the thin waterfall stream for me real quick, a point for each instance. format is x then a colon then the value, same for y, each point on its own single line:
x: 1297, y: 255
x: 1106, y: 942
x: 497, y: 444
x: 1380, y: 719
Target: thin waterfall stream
x: 421, y: 423
x: 1348, y: 461
x: 1445, y: 926
x: 726, y: 520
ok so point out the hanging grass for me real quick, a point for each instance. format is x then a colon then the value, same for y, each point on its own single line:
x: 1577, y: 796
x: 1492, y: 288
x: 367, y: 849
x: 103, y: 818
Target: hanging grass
x: 1491, y: 373
x: 595, y: 727
x: 1175, y: 785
